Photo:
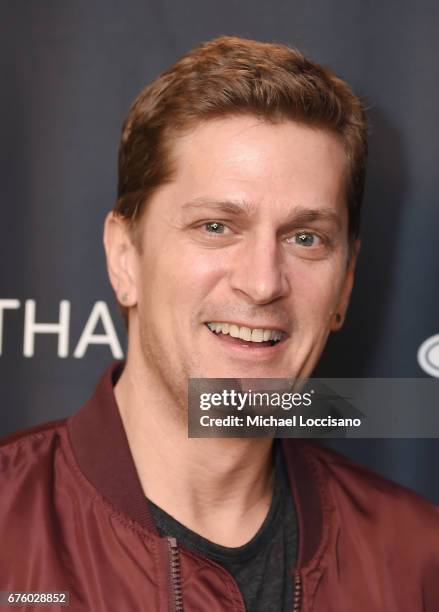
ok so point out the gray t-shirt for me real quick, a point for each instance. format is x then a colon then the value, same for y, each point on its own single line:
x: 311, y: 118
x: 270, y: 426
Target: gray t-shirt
x: 263, y: 568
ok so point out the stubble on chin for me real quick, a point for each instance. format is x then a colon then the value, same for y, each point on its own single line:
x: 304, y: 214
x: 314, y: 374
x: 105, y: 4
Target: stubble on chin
x: 168, y: 376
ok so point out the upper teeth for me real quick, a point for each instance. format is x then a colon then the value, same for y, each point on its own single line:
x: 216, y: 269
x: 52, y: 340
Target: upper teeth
x: 245, y: 333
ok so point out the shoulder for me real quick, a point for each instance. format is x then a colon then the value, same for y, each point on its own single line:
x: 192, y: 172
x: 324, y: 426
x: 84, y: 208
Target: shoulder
x: 31, y: 470
x: 43, y: 432
x: 353, y: 488
x: 26, y: 455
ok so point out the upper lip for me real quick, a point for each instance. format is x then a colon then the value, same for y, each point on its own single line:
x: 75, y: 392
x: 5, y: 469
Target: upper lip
x: 252, y: 325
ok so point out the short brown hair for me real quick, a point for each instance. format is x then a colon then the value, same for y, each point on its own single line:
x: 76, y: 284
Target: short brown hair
x: 231, y: 76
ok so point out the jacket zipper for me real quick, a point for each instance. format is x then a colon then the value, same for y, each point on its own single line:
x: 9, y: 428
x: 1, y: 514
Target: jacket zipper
x: 176, y: 591
x: 297, y: 593
x: 175, y: 588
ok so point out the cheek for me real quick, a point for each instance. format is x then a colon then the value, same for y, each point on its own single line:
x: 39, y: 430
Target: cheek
x: 315, y: 289
x: 182, y: 278
x: 204, y: 266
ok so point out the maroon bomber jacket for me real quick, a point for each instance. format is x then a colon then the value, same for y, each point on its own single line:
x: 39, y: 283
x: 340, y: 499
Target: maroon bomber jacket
x: 73, y: 518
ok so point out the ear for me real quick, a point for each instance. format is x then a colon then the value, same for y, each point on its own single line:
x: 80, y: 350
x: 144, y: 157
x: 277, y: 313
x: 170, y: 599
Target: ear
x: 121, y: 256
x: 339, y: 315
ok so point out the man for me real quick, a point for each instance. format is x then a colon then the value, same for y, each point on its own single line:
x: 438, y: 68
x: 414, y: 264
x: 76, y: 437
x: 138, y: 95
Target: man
x: 231, y: 250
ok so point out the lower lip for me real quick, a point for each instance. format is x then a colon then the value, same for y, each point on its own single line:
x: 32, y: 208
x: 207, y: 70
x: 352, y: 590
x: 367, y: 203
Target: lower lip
x: 245, y: 349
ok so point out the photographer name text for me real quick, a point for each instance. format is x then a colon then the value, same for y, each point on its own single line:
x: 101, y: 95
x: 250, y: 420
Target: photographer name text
x: 231, y: 421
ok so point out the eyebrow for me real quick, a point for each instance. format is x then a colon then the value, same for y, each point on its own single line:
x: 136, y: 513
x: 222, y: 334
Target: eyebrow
x: 229, y: 206
x: 299, y: 215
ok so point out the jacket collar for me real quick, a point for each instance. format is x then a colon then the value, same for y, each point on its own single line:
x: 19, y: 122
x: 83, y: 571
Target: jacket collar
x: 101, y: 449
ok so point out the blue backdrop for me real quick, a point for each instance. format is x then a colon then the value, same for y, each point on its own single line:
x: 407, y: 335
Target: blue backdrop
x: 69, y: 71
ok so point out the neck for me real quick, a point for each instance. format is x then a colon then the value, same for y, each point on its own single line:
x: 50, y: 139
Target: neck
x: 220, y: 488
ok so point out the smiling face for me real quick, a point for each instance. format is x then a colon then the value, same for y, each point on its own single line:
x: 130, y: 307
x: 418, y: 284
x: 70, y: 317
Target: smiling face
x: 244, y: 258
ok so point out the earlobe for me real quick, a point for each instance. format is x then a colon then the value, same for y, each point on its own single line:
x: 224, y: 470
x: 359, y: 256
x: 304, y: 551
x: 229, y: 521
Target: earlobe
x: 119, y: 250
x: 337, y: 321
x: 339, y: 315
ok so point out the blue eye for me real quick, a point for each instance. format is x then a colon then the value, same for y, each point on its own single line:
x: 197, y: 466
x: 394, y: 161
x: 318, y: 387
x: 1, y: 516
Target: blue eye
x: 214, y: 227
x: 305, y: 239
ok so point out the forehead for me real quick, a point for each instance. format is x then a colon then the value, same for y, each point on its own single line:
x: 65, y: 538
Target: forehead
x: 270, y: 168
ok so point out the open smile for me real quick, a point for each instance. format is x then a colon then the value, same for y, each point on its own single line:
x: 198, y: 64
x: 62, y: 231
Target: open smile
x: 251, y: 337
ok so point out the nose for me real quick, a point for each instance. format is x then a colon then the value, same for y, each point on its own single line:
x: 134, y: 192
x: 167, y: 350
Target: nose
x: 258, y: 270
